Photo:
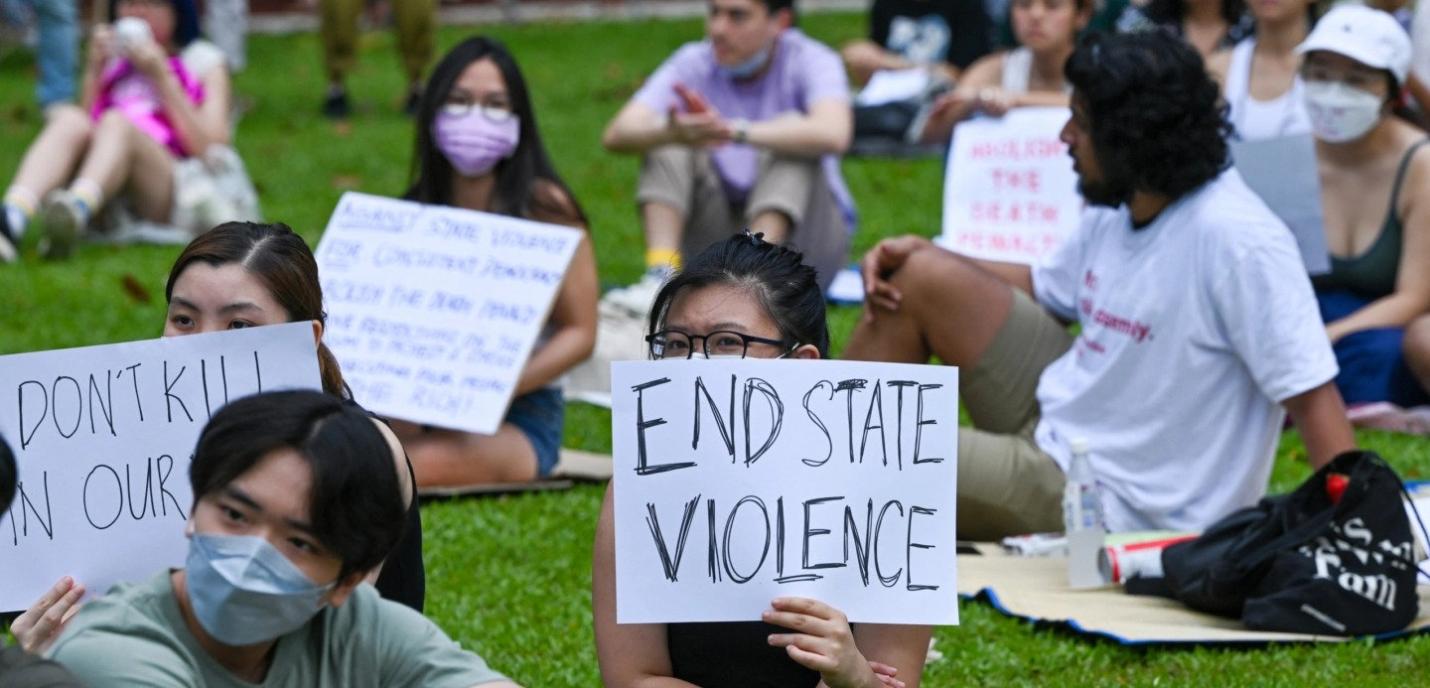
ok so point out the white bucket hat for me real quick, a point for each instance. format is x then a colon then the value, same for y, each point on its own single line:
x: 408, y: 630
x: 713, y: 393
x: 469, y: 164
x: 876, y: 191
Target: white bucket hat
x: 1368, y: 36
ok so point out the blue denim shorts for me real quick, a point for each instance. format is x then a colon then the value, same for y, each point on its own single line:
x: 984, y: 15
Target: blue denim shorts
x: 541, y: 416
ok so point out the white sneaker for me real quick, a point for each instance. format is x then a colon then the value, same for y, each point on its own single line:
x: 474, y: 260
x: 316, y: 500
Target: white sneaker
x: 638, y: 298
x: 62, y: 219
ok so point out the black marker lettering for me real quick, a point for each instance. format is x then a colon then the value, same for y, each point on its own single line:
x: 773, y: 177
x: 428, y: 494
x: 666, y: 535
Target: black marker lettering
x: 118, y: 495
x: 672, y: 567
x: 643, y: 466
x: 777, y: 416
x: 910, y: 546
x: 810, y: 533
x: 105, y: 402
x: 25, y: 437
x: 887, y: 581
x: 899, y: 417
x: 725, y: 433
x: 55, y: 405
x: 168, y: 393
x: 828, y: 441
x: 730, y: 526
x: 919, y: 426
x: 876, y: 403
x: 861, y: 545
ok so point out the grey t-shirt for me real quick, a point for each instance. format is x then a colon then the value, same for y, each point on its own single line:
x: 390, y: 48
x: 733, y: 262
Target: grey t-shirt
x: 136, y: 636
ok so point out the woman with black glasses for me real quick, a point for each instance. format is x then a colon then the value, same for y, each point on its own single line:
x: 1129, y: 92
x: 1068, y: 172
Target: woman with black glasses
x: 478, y: 147
x: 744, y: 297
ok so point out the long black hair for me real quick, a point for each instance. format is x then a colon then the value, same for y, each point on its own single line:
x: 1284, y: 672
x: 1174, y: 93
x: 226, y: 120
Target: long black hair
x: 517, y: 189
x: 786, y: 287
x: 1174, y: 11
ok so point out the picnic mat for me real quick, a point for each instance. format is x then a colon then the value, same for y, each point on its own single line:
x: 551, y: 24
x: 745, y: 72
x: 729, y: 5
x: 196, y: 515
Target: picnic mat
x: 1035, y: 589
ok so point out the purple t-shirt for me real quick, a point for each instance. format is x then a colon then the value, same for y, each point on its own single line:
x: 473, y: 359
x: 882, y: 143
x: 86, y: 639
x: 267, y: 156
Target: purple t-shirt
x: 803, y: 71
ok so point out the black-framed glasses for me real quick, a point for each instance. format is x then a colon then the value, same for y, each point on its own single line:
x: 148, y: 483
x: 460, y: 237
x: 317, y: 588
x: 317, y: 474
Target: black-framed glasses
x: 674, y: 344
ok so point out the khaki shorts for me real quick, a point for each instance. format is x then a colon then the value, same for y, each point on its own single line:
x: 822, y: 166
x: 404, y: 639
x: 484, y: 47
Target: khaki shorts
x: 1006, y: 484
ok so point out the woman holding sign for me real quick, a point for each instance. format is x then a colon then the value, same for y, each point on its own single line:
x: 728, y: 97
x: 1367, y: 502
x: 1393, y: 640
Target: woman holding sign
x: 745, y: 298
x: 240, y: 275
x: 1028, y: 75
x: 1356, y: 63
x: 478, y: 148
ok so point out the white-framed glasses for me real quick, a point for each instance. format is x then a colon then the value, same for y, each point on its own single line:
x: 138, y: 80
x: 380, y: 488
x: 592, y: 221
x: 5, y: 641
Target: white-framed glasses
x: 493, y: 113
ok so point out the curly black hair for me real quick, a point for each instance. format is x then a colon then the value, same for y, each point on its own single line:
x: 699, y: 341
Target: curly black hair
x: 1156, y: 116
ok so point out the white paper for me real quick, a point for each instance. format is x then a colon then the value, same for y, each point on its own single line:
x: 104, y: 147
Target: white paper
x: 433, y: 310
x: 893, y: 85
x: 847, y: 287
x: 1010, y: 192
x: 104, y: 435
x: 792, y: 449
x: 1284, y: 173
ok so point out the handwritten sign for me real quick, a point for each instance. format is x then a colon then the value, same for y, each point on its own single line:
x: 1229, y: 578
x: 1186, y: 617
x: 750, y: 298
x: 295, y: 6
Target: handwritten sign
x: 1010, y: 192
x: 433, y: 310
x: 740, y: 481
x: 104, y: 436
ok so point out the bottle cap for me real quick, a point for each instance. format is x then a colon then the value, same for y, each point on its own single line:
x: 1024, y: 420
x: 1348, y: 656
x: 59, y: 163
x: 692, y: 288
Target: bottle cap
x: 1078, y: 445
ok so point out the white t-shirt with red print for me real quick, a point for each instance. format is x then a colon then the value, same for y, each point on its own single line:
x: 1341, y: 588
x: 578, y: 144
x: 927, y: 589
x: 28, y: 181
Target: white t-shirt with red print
x: 1194, y: 329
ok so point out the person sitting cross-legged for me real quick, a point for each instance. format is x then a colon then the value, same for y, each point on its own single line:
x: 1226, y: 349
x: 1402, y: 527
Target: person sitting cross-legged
x: 1199, y: 328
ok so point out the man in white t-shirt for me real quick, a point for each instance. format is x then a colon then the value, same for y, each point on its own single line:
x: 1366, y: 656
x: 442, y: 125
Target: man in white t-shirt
x: 1199, y: 330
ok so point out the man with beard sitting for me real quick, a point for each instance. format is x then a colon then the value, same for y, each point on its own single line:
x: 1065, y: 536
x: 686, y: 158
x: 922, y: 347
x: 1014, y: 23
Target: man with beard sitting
x: 1198, y: 327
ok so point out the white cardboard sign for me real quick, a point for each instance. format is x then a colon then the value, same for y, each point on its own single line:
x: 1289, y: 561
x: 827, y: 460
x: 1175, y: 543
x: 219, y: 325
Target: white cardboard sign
x: 1010, y: 192
x: 433, y: 310
x: 104, y: 435
x: 740, y: 481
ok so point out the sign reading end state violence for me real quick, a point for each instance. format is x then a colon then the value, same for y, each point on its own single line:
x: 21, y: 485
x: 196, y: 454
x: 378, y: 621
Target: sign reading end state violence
x: 433, y: 310
x: 1010, y: 192
x: 737, y: 482
x: 104, y: 436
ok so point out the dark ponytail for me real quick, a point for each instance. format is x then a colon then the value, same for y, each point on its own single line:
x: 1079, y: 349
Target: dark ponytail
x: 786, y: 287
x: 280, y: 259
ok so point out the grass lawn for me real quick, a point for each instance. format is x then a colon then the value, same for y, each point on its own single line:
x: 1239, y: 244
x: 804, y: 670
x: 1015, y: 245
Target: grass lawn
x: 510, y: 576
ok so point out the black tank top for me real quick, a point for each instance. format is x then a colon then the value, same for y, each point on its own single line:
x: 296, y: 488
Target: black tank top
x: 733, y: 655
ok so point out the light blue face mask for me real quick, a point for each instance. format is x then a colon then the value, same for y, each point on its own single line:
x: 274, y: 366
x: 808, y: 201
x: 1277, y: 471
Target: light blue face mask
x: 749, y: 67
x: 243, y: 591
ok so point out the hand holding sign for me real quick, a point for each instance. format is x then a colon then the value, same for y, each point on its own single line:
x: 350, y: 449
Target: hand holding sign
x: 103, y: 437
x: 743, y: 481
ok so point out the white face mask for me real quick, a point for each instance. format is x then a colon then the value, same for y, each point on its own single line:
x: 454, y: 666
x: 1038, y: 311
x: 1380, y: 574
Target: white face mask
x: 1340, y: 113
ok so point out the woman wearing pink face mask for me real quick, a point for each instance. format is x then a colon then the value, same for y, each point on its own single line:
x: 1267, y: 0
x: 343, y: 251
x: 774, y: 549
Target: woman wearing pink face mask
x: 478, y: 148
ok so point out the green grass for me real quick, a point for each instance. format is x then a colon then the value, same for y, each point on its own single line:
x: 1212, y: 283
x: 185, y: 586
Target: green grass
x: 510, y: 576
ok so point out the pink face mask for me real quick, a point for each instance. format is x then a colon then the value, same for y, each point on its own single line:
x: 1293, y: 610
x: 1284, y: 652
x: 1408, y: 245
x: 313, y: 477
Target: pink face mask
x: 472, y: 142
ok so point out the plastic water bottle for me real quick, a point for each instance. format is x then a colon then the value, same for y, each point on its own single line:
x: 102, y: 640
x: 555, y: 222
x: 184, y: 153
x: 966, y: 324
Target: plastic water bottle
x: 1082, y: 498
x: 1082, y: 518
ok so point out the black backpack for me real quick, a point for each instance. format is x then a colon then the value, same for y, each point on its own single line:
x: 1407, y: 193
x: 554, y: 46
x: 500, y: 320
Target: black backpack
x: 1322, y: 560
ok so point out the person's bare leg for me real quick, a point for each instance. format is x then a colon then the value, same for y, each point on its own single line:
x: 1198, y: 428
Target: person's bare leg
x: 449, y: 458
x: 51, y: 159
x: 1416, y: 348
x: 120, y: 156
x: 663, y: 225
x: 774, y: 224
x: 951, y: 308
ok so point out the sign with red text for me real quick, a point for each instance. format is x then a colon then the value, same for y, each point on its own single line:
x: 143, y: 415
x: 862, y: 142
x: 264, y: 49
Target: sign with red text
x: 433, y: 310
x: 739, y: 481
x: 1010, y: 192
x: 104, y: 435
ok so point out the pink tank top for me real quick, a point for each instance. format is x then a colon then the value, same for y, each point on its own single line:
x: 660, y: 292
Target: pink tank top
x: 127, y: 89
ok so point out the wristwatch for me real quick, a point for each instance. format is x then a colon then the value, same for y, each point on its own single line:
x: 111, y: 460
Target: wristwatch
x: 742, y: 131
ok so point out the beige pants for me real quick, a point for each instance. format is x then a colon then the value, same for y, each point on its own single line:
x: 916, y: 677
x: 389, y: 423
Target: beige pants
x: 1006, y: 484
x: 685, y: 179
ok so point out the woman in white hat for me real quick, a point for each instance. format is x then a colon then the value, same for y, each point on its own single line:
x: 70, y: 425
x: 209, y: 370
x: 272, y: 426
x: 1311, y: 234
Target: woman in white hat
x: 1375, y: 189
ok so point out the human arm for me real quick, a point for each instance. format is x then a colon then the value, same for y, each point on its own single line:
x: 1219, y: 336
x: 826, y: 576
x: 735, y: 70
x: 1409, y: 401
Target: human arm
x: 889, y: 255
x: 101, y: 48
x: 40, y: 625
x: 1419, y: 91
x: 1217, y: 65
x: 1411, y: 297
x: 1320, y: 415
x: 823, y: 641
x: 827, y: 128
x: 630, y: 655
x: 574, y: 318
x: 197, y: 126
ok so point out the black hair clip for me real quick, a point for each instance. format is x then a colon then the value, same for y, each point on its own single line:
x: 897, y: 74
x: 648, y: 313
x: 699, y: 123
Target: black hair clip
x: 756, y: 238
